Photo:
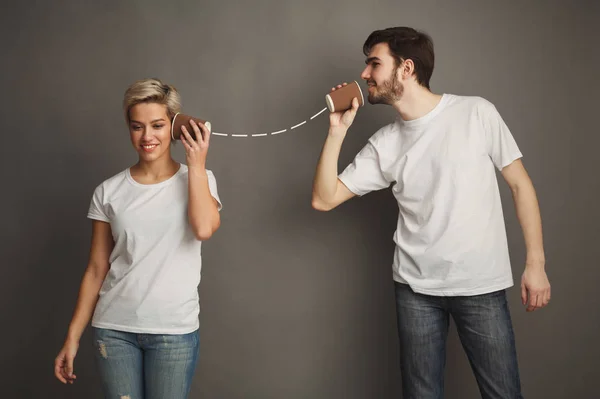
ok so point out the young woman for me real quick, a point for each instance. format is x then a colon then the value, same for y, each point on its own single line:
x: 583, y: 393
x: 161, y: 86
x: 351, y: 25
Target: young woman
x: 141, y: 283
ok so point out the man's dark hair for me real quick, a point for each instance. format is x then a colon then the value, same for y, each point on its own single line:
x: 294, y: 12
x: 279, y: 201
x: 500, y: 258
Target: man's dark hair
x: 406, y: 43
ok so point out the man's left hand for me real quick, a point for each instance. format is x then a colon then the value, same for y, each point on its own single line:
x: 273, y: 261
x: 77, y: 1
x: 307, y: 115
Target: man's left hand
x: 535, y: 287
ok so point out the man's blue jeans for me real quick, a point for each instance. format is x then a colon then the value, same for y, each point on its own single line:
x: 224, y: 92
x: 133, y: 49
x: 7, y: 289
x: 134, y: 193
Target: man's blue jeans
x: 485, y: 329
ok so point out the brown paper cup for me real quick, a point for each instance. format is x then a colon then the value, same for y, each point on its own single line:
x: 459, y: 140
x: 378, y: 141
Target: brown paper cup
x: 182, y: 119
x: 341, y: 99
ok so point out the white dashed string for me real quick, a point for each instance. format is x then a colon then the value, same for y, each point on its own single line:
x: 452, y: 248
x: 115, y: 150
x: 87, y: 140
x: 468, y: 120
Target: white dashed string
x: 269, y: 134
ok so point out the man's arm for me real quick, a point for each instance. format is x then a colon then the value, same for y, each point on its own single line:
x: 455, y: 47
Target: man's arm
x: 328, y: 190
x: 535, y: 287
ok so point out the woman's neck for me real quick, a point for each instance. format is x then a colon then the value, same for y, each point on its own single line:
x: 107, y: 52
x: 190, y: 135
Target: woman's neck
x: 155, y: 171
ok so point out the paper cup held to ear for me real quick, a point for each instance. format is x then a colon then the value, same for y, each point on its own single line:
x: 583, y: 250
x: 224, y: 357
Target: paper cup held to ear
x: 182, y: 119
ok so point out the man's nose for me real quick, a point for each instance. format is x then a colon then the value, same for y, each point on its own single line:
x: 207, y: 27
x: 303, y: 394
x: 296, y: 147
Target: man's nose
x: 365, y: 74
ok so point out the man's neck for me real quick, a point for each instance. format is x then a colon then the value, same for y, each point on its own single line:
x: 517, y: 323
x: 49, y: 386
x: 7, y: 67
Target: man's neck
x: 416, y: 102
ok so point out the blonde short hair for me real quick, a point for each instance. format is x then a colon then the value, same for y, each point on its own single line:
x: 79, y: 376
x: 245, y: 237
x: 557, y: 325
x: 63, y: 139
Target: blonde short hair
x: 152, y: 91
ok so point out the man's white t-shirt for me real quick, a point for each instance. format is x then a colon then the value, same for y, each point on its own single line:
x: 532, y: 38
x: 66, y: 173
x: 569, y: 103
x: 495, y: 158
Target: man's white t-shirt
x: 152, y: 284
x: 450, y: 239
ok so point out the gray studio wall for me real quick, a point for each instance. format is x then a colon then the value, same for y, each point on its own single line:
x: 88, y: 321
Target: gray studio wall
x: 295, y: 303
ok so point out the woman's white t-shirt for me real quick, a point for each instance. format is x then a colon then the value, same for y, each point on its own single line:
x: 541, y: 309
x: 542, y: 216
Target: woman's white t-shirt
x: 152, y: 284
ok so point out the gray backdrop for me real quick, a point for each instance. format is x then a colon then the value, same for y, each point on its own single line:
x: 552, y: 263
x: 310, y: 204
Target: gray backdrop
x: 295, y: 303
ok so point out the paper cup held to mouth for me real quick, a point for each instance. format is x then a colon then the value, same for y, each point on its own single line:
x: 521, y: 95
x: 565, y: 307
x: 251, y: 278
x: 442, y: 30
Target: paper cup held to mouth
x: 341, y: 99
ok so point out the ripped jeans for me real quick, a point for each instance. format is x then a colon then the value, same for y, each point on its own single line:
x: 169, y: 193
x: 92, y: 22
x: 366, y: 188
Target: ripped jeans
x: 145, y: 366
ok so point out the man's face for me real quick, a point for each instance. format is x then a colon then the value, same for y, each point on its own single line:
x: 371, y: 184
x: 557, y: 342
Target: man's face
x: 381, y: 74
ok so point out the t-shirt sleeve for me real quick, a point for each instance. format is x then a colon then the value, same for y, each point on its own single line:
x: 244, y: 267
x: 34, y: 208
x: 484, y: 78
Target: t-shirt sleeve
x: 501, y: 145
x: 97, y: 209
x: 212, y: 186
x: 364, y: 174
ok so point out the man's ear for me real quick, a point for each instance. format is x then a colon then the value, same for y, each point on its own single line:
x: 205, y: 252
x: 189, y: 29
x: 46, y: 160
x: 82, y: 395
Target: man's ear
x: 406, y: 69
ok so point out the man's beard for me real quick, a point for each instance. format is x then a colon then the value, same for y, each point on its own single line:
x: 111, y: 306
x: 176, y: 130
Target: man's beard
x: 388, y: 92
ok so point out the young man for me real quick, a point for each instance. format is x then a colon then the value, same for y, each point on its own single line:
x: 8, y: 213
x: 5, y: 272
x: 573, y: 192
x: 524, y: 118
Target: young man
x: 451, y: 256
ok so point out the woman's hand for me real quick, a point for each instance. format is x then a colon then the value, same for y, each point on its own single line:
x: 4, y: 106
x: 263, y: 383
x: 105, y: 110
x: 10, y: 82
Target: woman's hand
x: 196, y: 150
x: 63, y: 364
